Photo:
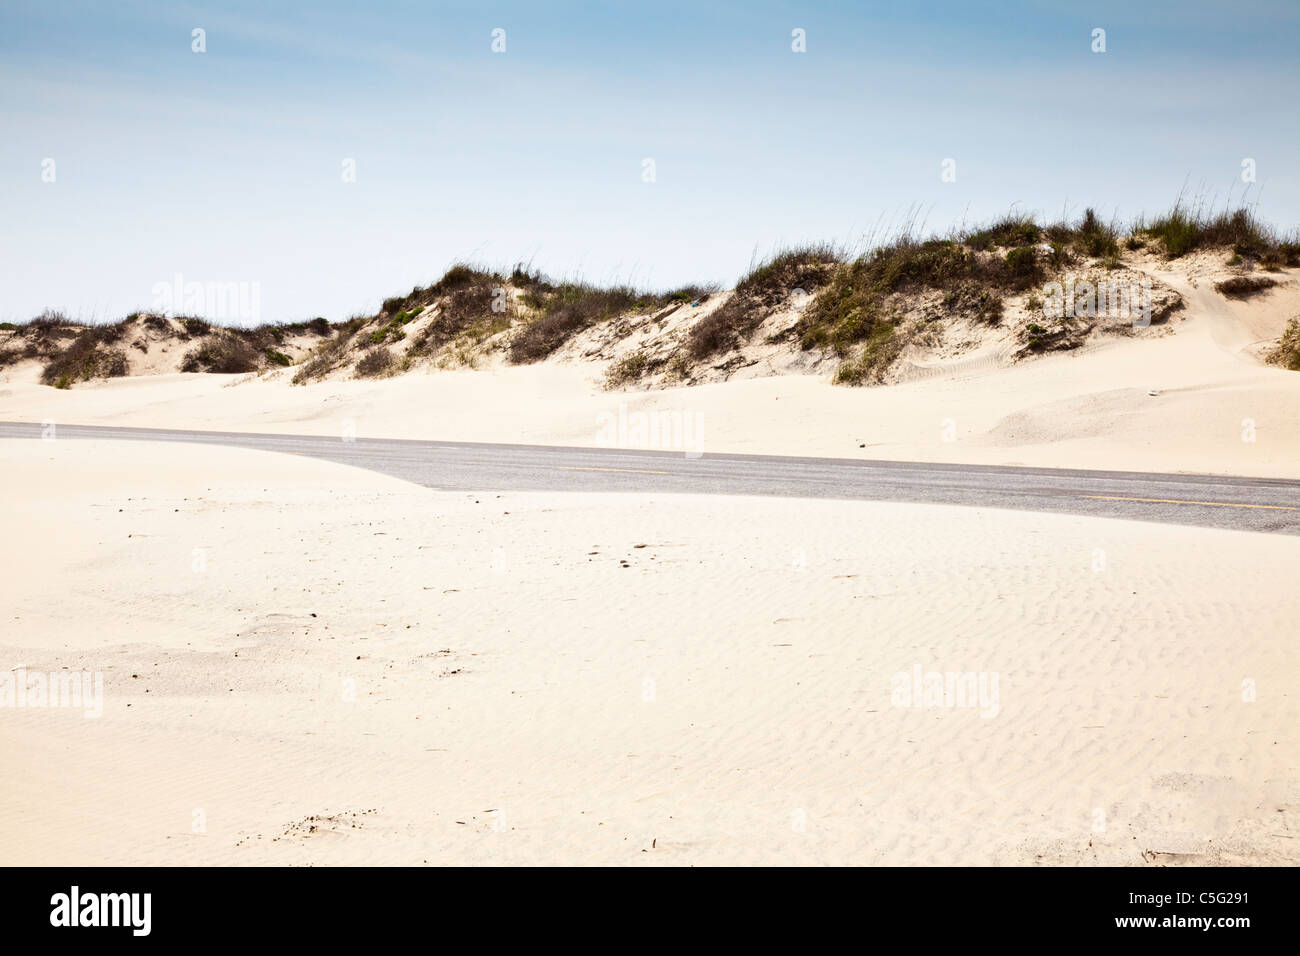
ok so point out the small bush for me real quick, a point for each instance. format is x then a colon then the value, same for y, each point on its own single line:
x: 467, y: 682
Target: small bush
x: 851, y: 307
x: 1243, y: 287
x: 48, y: 319
x: 1287, y: 353
x: 88, y: 356
x: 626, y: 370
x: 374, y: 363
x: 1011, y: 230
x: 464, y: 307
x: 1183, y: 230
x: 1096, y: 238
x: 543, y: 336
x: 223, y: 353
x: 195, y: 327
x: 807, y: 268
x: 278, y: 358
x: 802, y: 267
x: 568, y: 309
x: 679, y: 367
x: 329, y: 354
x: 524, y: 276
x: 1023, y: 267
x: 466, y: 331
x: 1284, y: 254
x: 724, y: 327
x: 461, y: 275
x: 878, y: 353
x: 690, y: 293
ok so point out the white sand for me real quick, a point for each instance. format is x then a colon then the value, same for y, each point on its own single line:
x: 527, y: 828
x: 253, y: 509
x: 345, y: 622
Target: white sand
x: 518, y: 696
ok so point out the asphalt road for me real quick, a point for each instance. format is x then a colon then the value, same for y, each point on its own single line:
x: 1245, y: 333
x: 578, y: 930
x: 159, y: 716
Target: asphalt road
x: 1249, y: 504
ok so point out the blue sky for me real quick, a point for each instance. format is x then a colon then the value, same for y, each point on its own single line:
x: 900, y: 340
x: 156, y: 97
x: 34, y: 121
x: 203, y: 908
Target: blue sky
x: 226, y: 165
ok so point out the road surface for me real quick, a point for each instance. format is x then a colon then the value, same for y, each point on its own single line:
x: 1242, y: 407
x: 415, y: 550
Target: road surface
x: 1250, y: 504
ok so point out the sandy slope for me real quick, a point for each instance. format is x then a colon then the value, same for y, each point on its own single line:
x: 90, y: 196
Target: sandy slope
x: 1089, y: 409
x: 362, y: 671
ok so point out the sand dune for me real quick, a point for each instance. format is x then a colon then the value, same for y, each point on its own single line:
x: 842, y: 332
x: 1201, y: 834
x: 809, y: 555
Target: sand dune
x: 1218, y: 409
x: 303, y: 663
x: 361, y: 671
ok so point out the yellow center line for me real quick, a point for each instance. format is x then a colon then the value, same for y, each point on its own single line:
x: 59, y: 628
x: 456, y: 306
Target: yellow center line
x: 630, y: 471
x: 1181, y: 501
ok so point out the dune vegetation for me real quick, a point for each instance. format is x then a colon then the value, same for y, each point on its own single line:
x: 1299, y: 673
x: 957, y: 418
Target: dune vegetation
x: 857, y: 309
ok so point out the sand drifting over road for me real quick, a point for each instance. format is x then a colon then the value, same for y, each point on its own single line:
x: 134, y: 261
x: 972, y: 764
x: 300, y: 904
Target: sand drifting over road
x: 305, y: 663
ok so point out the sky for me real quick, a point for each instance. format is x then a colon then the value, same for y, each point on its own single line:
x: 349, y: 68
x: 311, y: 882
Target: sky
x: 128, y: 159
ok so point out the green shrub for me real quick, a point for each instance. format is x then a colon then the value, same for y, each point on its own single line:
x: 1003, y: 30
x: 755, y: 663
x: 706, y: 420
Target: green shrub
x: 878, y: 353
x: 1009, y: 231
x: 1023, y: 267
x: 1287, y: 353
x: 1096, y: 238
x: 1177, y: 230
x: 1183, y: 230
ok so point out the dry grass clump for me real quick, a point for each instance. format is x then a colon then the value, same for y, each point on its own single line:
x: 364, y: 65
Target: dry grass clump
x: 856, y: 315
x: 473, y: 311
x: 767, y: 285
x: 90, y: 355
x: 1243, y: 287
x: 856, y: 300
x: 1011, y: 231
x: 1090, y: 236
x: 626, y: 370
x: 569, y: 308
x: 375, y: 362
x: 331, y: 353
x: 459, y: 276
x: 1287, y: 352
x: 78, y: 353
x: 222, y: 352
x: 807, y: 267
x: 722, y: 329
